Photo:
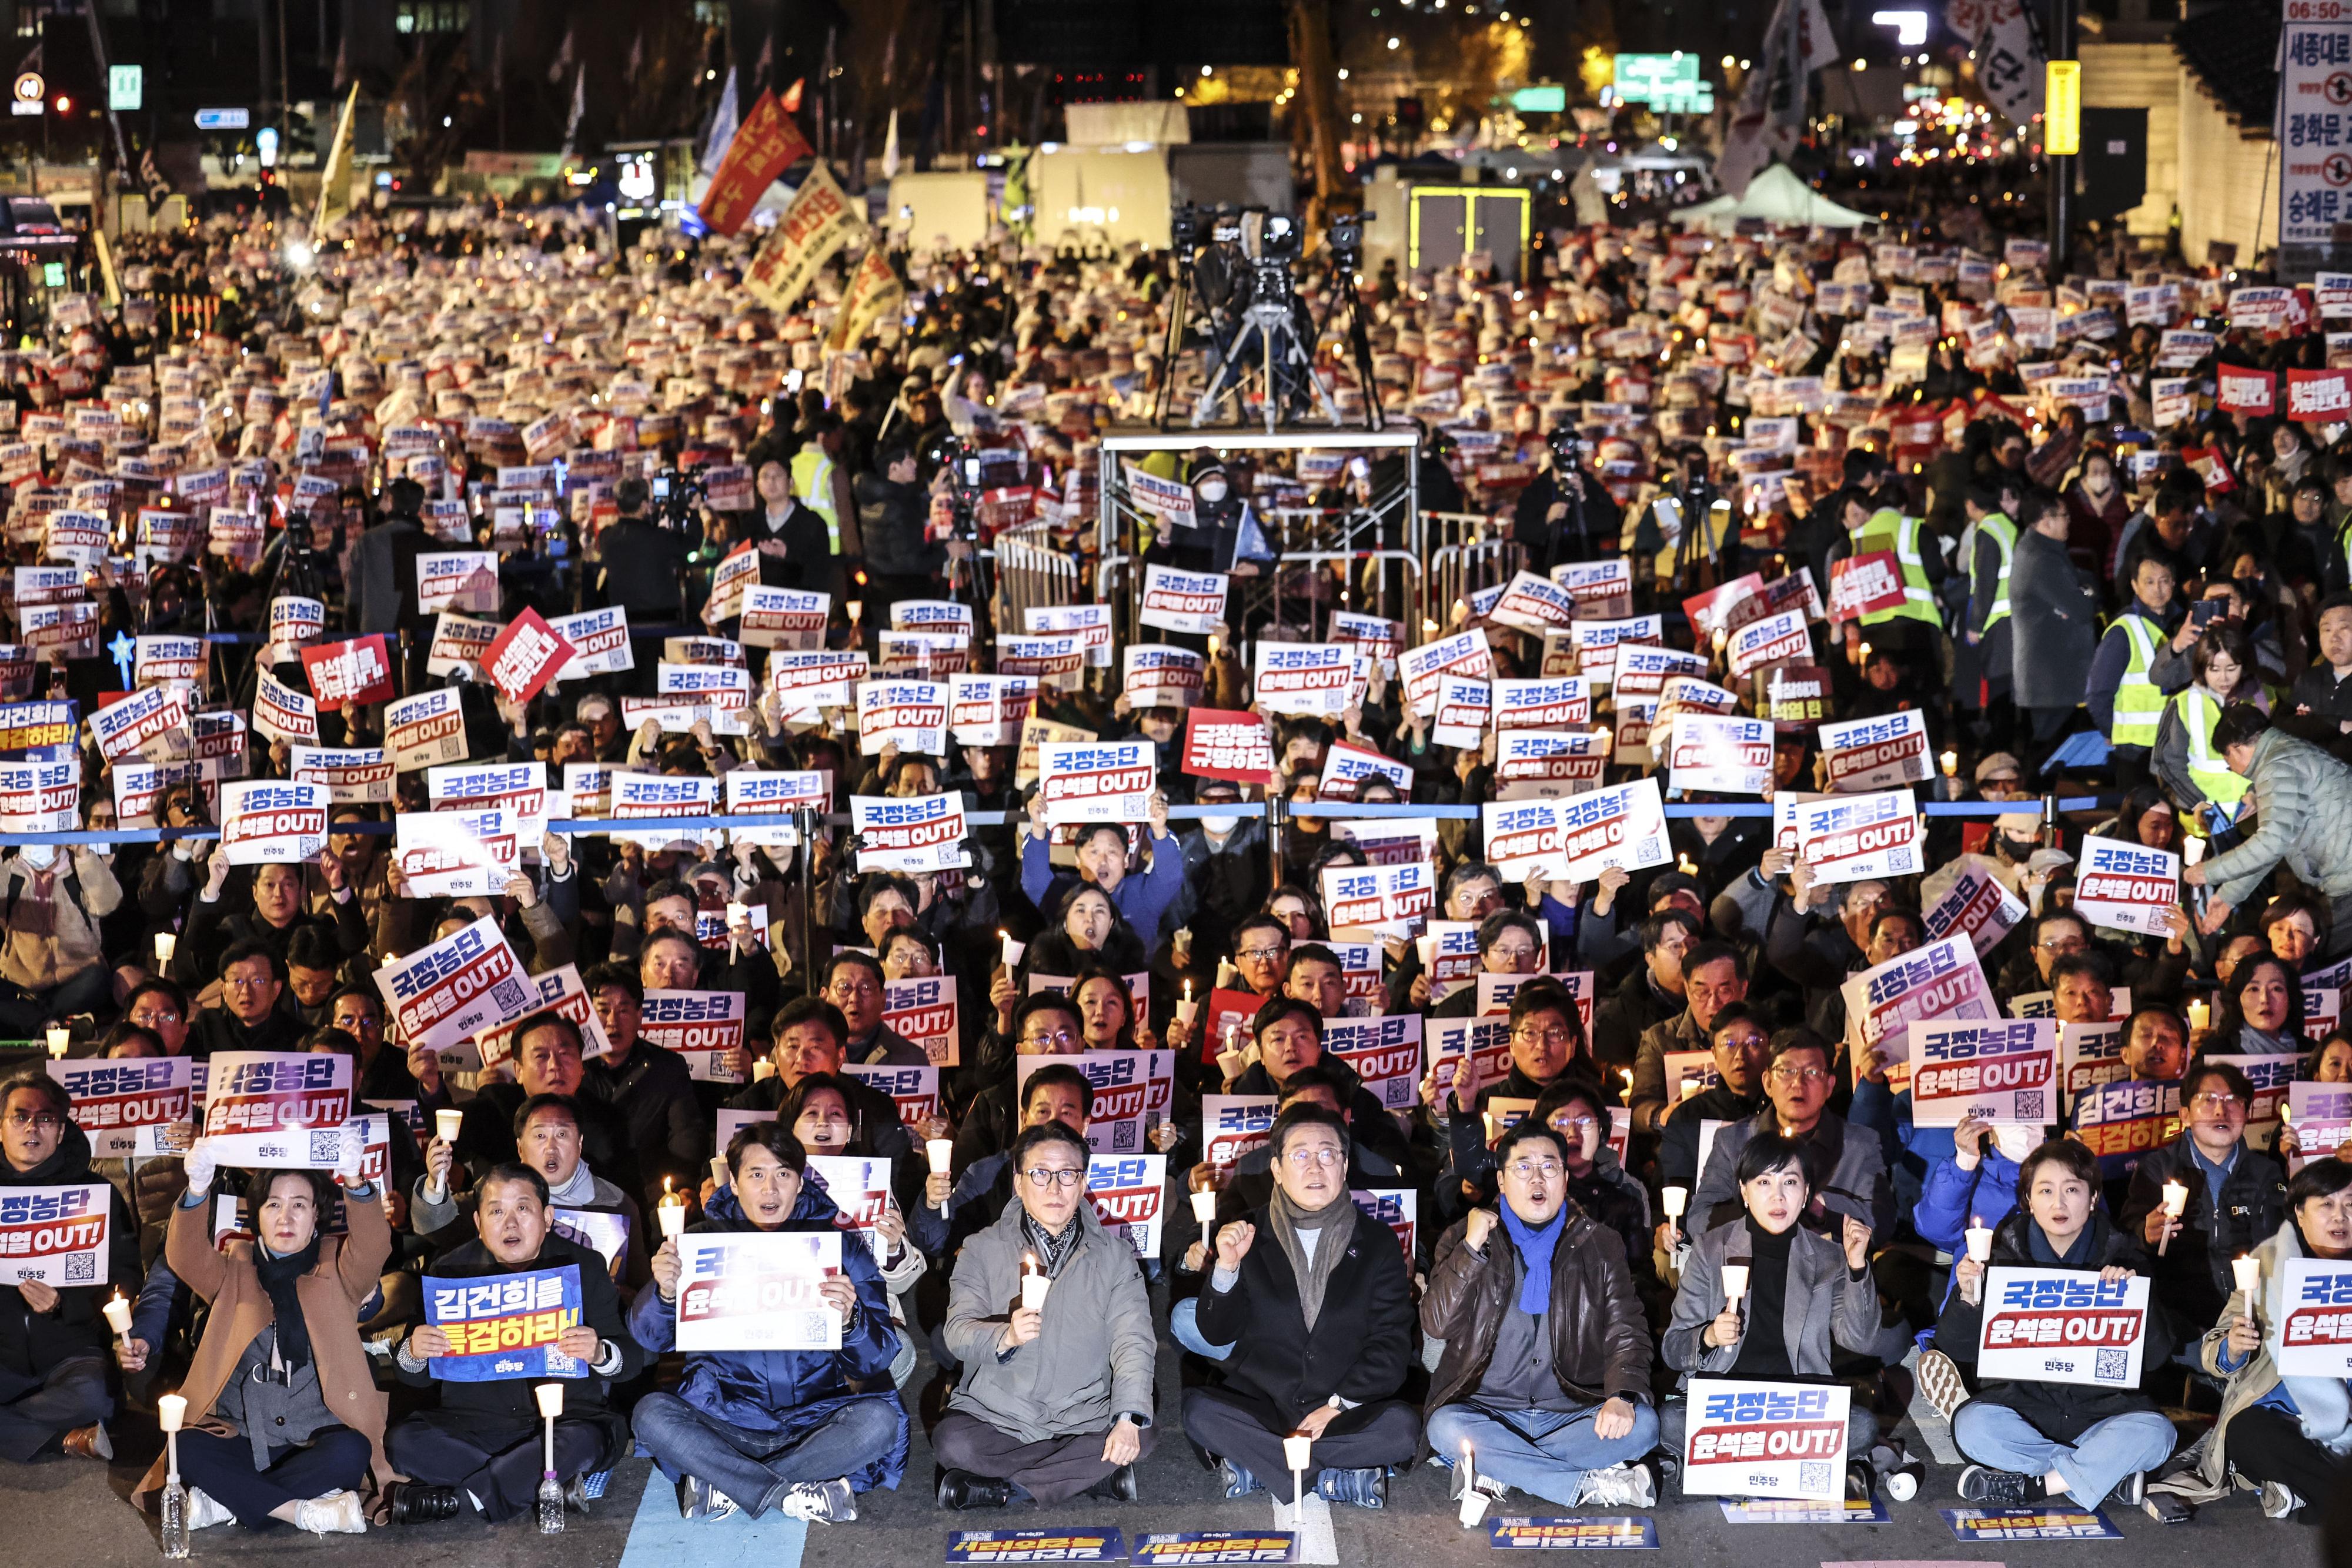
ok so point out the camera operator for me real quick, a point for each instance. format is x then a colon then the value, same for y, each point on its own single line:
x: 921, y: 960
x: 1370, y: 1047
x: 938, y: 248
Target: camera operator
x: 1565, y: 515
x: 895, y: 515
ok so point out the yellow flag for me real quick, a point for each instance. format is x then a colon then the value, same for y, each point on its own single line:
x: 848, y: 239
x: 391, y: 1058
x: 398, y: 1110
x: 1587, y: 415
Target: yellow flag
x: 335, y: 188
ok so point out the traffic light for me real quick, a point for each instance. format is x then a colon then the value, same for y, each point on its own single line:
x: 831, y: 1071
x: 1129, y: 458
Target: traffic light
x: 1409, y: 116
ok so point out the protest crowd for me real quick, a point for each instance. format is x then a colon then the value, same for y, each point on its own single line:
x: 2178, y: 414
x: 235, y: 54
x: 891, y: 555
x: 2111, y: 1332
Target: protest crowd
x: 634, y: 849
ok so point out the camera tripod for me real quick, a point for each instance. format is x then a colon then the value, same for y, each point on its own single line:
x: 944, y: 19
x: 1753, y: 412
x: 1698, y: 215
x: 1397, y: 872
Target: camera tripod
x: 1344, y: 263
x: 1283, y: 364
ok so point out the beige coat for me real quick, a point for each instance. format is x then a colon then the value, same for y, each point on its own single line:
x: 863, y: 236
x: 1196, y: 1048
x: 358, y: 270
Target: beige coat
x: 331, y: 1294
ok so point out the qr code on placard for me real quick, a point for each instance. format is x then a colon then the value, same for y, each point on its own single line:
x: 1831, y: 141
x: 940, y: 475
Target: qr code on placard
x: 82, y: 1268
x: 2029, y: 1105
x: 1813, y: 1477
x: 509, y: 995
x: 2111, y: 1365
x: 1125, y: 1137
x: 326, y: 1145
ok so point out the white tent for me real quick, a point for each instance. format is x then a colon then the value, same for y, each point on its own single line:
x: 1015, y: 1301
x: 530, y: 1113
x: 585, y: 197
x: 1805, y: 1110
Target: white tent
x: 1777, y: 196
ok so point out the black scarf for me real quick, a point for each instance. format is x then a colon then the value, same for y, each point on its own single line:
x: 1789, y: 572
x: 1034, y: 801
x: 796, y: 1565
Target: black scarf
x: 1053, y: 1250
x: 278, y: 1275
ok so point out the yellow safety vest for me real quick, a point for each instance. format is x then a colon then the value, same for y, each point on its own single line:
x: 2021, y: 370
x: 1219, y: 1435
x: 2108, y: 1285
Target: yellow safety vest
x: 1918, y: 598
x: 813, y: 483
x: 2139, y: 705
x: 2207, y: 769
x: 2003, y: 534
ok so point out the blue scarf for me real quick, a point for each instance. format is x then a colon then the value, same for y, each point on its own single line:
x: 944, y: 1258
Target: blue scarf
x: 1535, y: 1257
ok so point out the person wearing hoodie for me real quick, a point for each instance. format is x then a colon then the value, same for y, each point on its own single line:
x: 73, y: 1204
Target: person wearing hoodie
x: 2290, y: 1436
x: 54, y: 1339
x: 2028, y: 1440
x: 799, y: 1431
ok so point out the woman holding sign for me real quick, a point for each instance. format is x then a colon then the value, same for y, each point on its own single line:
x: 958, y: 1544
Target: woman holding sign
x: 285, y: 1421
x: 2025, y: 1439
x: 2286, y: 1427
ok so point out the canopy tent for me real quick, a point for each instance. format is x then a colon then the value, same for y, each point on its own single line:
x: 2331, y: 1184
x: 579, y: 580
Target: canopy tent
x: 1777, y: 196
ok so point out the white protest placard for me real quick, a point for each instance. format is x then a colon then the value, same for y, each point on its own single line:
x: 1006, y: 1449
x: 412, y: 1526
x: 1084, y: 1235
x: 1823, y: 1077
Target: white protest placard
x: 1385, y: 1054
x: 559, y: 991
x: 264, y: 1109
x: 1531, y: 604
x: 1561, y: 703
x: 40, y: 797
x: 1189, y: 601
x: 1306, y: 678
x: 2313, y: 1335
x: 859, y: 1186
x: 756, y: 792
x: 1234, y: 1124
x: 1769, y: 640
x: 1601, y: 588
x: 424, y: 730
x: 148, y: 721
x: 2321, y: 1115
x: 129, y: 1106
x: 1347, y: 768
x: 600, y: 643
x: 1877, y: 753
x: 457, y: 580
x: 2127, y: 886
x: 1972, y: 903
x: 467, y: 982
x: 518, y: 789
x: 1159, y: 674
x: 1749, y: 1438
x: 921, y: 834
x: 1624, y: 827
x: 1095, y: 780
x: 913, y: 714
x: 1487, y: 1039
x: 1939, y: 981
x: 1999, y: 1070
x: 359, y: 776
x: 281, y: 713
x: 649, y: 797
x: 1851, y: 838
x: 1597, y: 643
x: 2062, y: 1325
x: 1642, y: 670
x: 750, y: 1290
x: 456, y: 854
x: 1090, y: 623
x: 989, y: 710
x: 1465, y: 653
x: 1129, y: 1193
x: 57, y: 1235
x: 1393, y: 900
x: 2089, y: 1055
x: 1537, y: 763
x: 1726, y: 755
x: 805, y: 683
x: 168, y: 661
x: 458, y: 643
x: 1134, y: 1095
x: 703, y: 1026
x: 269, y: 822
x: 1463, y: 706
x: 1059, y: 662
x: 923, y: 1010
x: 1525, y: 839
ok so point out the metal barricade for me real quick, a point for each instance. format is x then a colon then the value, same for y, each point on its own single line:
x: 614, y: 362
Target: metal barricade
x: 1459, y: 569
x: 1032, y: 573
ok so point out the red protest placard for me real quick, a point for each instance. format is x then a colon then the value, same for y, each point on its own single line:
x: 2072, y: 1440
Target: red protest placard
x: 2320, y: 397
x: 1230, y: 1013
x: 2241, y: 390
x: 1864, y: 585
x: 356, y: 671
x: 525, y: 656
x: 1223, y: 743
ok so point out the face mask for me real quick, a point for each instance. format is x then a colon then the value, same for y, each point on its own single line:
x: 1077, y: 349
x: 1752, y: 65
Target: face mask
x: 1220, y: 824
x: 40, y: 857
x: 1212, y: 490
x: 2019, y: 850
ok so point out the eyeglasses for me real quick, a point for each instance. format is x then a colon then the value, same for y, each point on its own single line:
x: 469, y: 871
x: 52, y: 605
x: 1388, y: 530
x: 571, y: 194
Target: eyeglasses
x: 1042, y: 1179
x: 246, y: 983
x: 42, y: 1121
x: 2063, y: 945
x: 1057, y: 1037
x: 1540, y: 1036
x: 1259, y: 953
x: 150, y: 1019
x: 2212, y: 1102
x: 847, y: 991
x: 1800, y: 1075
x: 1577, y: 1124
x: 1528, y: 1170
x: 1300, y: 1159
x: 1511, y: 955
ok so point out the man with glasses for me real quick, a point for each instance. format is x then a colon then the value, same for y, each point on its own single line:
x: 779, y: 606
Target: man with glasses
x: 1288, y: 1039
x: 1547, y: 1036
x: 1509, y: 943
x: 252, y: 983
x: 1652, y: 994
x: 651, y: 1092
x: 546, y: 1060
x: 160, y: 1007
x: 1260, y: 951
x: 1713, y: 979
x: 1545, y: 1377
x: 1471, y: 891
x: 2236, y: 1202
x: 1799, y: 1083
x: 54, y: 1341
x: 1053, y: 1400
x: 2059, y: 934
x: 1742, y: 1049
x: 358, y: 1011
x: 853, y: 982
x: 1315, y: 1296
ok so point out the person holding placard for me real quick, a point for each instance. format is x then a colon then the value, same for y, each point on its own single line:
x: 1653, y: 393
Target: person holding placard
x: 271, y: 912
x: 784, y: 1429
x: 53, y: 1340
x: 286, y: 1420
x: 2289, y: 1435
x: 1546, y: 1373
x: 1802, y: 1296
x: 2203, y: 1199
x: 2028, y: 1440
x: 1102, y: 858
x: 549, y: 1138
x: 480, y: 1445
x: 1851, y: 1167
x: 1714, y: 977
x: 1288, y: 1038
x: 1314, y: 1296
x: 1048, y: 1320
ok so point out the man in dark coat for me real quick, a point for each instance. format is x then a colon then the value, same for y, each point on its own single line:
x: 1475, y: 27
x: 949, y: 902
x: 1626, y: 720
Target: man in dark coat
x: 2054, y: 610
x: 482, y: 1445
x: 1565, y: 515
x: 381, y: 595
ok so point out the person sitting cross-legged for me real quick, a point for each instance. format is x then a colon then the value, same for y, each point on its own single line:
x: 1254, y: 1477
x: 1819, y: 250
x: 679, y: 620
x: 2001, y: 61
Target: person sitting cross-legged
x: 1315, y: 1297
x: 784, y: 1429
x: 2027, y: 1440
x: 1546, y: 1374
x: 1056, y: 1399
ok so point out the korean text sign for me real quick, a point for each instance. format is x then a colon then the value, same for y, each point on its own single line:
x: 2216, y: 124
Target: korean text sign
x: 505, y: 1325
x: 1750, y: 1438
x: 277, y: 1108
x: 57, y: 1235
x: 2063, y: 1326
x: 757, y: 1291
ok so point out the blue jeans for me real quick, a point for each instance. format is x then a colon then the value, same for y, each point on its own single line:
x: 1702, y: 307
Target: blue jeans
x: 747, y: 1465
x: 1995, y: 1435
x: 1183, y: 1327
x: 1542, y: 1452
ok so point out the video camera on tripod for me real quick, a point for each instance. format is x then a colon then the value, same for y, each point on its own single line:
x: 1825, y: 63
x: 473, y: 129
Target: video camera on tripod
x: 674, y: 495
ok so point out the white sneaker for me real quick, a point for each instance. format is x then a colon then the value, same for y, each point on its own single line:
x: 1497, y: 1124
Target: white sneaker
x: 2278, y: 1501
x: 203, y: 1512
x: 337, y: 1514
x: 820, y: 1503
x: 1619, y: 1486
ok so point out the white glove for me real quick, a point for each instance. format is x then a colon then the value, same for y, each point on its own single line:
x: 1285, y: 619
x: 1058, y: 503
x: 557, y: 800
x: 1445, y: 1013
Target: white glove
x: 201, y: 1166
x: 347, y: 1162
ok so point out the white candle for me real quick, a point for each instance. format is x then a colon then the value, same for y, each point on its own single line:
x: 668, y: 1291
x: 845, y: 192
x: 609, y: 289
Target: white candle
x: 550, y: 1398
x: 672, y: 1211
x: 1225, y: 973
x: 1295, y: 1451
x: 1735, y: 1281
x: 940, y: 1151
x: 1427, y: 948
x: 1980, y: 1243
x: 1188, y: 1011
x: 719, y: 1173
x: 1204, y: 1210
x: 118, y: 1316
x: 2249, y: 1272
x: 762, y: 1069
x: 1677, y: 1201
x: 1951, y: 761
x: 60, y: 1038
x: 1012, y: 950
x: 1034, y: 1285
x: 171, y: 1412
x: 445, y: 1125
x: 2176, y: 1198
x: 166, y: 943
x: 2200, y: 1014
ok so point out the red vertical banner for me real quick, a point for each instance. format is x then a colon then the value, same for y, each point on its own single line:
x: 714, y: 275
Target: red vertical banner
x: 766, y: 144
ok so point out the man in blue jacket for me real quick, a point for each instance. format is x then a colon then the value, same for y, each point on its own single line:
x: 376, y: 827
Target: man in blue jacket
x: 779, y: 1429
x: 1142, y: 901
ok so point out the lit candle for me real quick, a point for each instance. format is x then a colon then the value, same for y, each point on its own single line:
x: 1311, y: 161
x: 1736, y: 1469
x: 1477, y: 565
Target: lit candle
x: 2176, y: 1198
x: 1685, y: 865
x: 166, y: 944
x: 1735, y: 1281
x: 1033, y: 1284
x: 1979, y: 1240
x: 60, y: 1037
x: 1225, y: 973
x: 856, y: 607
x: 170, y: 1411
x: 2201, y: 1014
x: 1951, y: 763
x: 762, y: 1069
x: 940, y: 1151
x: 1204, y: 1210
x: 1012, y: 950
x: 1188, y: 1011
x: 1473, y: 1502
x: 1866, y: 652
x: 2248, y: 1269
x: 672, y: 1211
x: 445, y: 1125
x: 117, y: 1318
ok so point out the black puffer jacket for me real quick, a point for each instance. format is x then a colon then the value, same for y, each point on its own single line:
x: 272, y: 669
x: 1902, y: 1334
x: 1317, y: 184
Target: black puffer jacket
x: 32, y: 1342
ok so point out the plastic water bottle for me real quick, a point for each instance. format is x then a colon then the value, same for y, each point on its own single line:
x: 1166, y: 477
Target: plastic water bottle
x: 551, y: 1504
x: 175, y: 1519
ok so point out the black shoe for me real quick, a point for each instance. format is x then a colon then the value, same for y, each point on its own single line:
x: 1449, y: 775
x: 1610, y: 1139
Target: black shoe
x: 960, y: 1489
x: 1117, y: 1487
x: 415, y: 1504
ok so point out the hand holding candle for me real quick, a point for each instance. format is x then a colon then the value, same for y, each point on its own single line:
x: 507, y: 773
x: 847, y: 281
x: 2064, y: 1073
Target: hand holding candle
x: 117, y: 1318
x: 1033, y: 1284
x: 2176, y: 1200
x: 940, y: 1151
x: 672, y: 1212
